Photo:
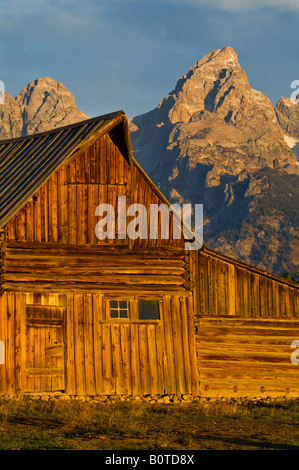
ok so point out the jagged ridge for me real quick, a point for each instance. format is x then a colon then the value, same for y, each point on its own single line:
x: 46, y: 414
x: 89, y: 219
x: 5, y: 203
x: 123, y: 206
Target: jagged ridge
x: 215, y: 140
x: 42, y: 105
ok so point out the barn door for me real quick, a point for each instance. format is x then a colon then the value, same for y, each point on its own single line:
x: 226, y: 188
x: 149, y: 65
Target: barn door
x: 44, y: 369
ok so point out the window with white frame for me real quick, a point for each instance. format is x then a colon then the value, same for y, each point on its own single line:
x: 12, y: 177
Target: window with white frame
x: 119, y: 308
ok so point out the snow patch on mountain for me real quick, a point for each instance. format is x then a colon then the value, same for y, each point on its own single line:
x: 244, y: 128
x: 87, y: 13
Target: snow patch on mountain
x: 293, y: 144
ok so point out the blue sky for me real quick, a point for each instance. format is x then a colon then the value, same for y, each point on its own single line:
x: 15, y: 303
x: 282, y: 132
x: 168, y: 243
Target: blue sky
x: 129, y: 54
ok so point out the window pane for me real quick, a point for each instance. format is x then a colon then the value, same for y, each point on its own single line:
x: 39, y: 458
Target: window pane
x: 119, y: 308
x: 123, y: 314
x: 148, y: 310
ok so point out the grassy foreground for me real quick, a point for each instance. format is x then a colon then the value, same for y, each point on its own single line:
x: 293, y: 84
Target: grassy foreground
x: 75, y: 425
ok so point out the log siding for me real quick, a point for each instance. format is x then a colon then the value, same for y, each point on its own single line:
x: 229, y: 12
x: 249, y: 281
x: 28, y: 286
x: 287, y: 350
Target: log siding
x: 224, y: 328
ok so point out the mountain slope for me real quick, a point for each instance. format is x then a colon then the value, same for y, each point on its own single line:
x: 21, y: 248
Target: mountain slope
x: 214, y: 140
x: 287, y: 113
x: 42, y: 105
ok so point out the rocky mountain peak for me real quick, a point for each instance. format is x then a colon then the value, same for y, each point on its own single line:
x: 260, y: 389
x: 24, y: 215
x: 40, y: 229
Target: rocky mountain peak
x: 45, y: 103
x: 216, y: 118
x: 215, y: 140
x: 216, y: 83
x: 226, y: 54
x: 42, y: 105
x: 10, y: 118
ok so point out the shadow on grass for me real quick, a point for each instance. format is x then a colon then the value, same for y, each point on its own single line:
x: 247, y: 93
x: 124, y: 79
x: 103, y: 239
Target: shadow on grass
x: 243, y: 443
x: 37, y: 422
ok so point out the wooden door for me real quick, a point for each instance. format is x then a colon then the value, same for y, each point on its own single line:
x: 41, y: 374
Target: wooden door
x: 44, y: 368
x: 133, y: 359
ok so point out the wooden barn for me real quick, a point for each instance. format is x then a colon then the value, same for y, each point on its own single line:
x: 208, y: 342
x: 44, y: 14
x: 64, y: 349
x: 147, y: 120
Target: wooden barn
x: 127, y: 316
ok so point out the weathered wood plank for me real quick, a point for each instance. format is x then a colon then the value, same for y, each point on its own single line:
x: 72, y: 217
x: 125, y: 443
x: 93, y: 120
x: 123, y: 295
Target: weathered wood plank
x: 144, y: 359
x: 78, y: 344
x: 135, y: 365
x: 152, y: 353
x: 98, y: 309
x: 161, y: 365
x: 88, y: 345
x: 3, y: 317
x: 10, y: 345
x: 70, y: 356
x: 177, y: 345
x: 169, y: 364
x: 125, y: 358
x: 186, y: 340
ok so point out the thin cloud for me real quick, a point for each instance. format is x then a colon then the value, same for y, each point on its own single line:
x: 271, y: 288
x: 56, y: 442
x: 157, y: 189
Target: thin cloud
x: 237, y: 6
x: 40, y: 21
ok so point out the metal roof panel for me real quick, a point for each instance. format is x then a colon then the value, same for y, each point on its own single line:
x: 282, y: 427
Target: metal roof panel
x: 27, y: 162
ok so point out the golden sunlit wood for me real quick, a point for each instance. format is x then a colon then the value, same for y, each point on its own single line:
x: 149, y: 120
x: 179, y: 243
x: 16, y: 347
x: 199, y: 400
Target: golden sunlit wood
x: 224, y: 327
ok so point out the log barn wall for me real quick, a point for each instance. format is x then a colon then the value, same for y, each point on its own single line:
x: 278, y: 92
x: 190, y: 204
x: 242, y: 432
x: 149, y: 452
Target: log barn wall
x: 99, y: 355
x: 224, y: 328
x: 245, y: 322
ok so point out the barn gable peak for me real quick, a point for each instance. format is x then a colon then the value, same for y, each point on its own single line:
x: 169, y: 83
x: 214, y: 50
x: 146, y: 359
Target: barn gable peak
x: 26, y: 163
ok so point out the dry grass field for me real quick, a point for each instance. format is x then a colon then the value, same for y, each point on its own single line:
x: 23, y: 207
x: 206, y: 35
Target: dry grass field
x: 207, y: 425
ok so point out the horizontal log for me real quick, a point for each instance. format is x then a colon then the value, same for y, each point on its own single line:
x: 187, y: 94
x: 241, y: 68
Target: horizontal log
x: 248, y: 365
x: 265, y: 374
x: 218, y: 332
x: 212, y: 387
x: 255, y: 339
x: 259, y: 382
x: 94, y: 270
x: 205, y: 355
x: 94, y: 261
x: 246, y: 393
x: 127, y: 279
x: 73, y: 287
x: 248, y: 346
x: 28, y: 247
x: 248, y: 322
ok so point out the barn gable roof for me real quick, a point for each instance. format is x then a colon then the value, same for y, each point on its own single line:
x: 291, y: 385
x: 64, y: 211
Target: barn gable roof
x: 26, y: 163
